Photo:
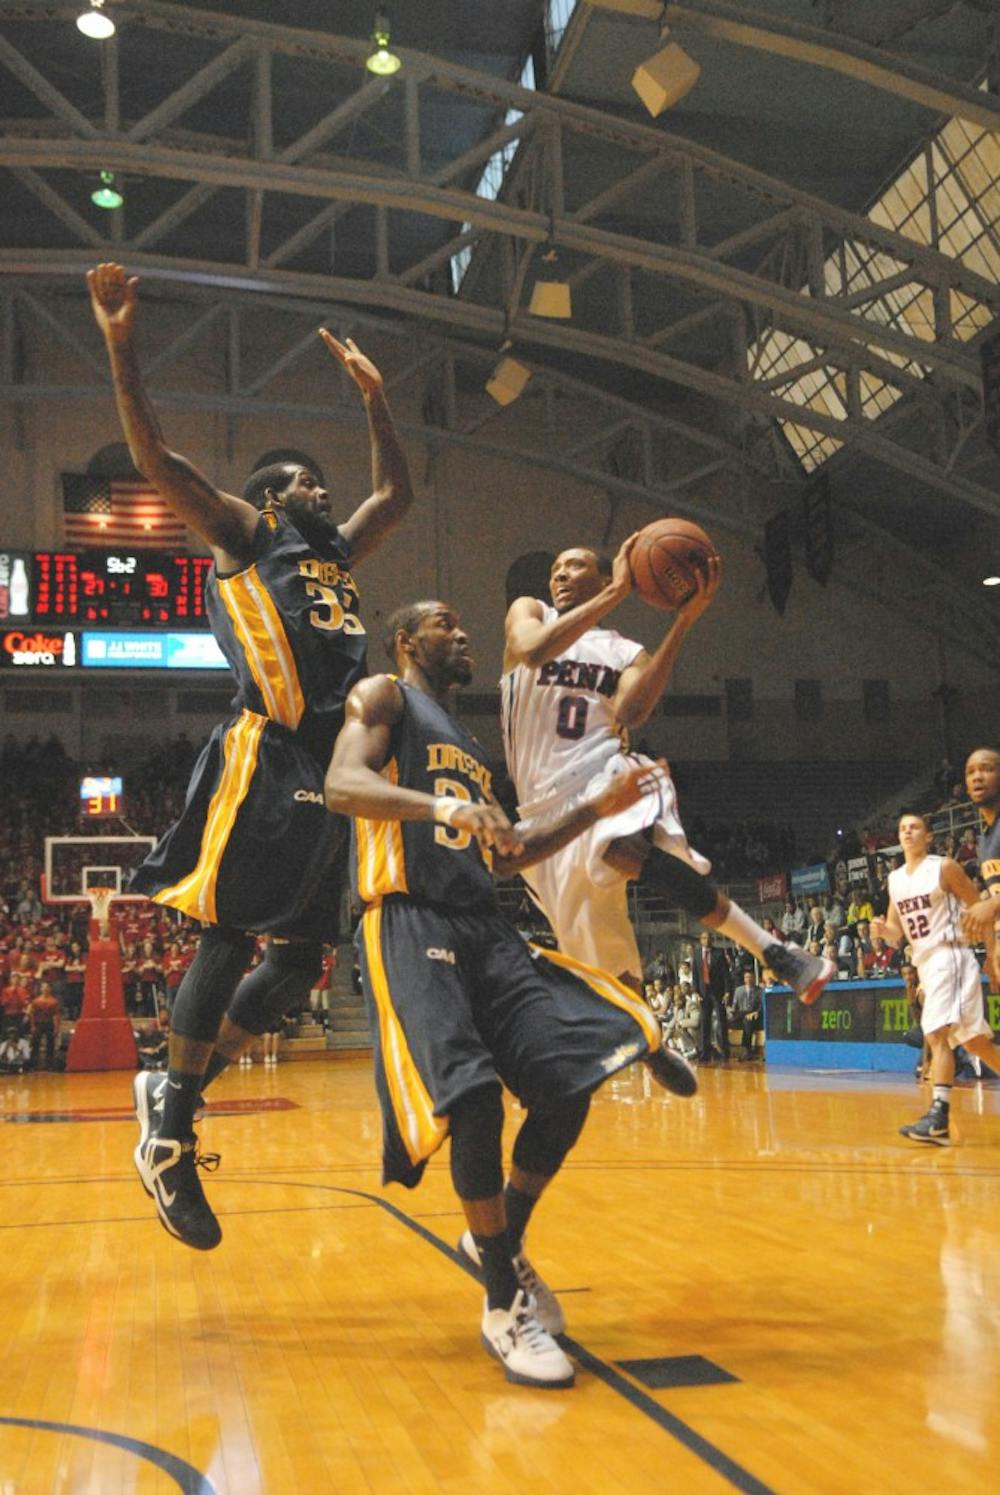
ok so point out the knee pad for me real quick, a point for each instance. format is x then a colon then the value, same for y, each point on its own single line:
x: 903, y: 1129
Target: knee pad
x: 548, y: 1134
x: 209, y: 982
x: 681, y: 884
x: 476, y: 1125
x: 281, y: 983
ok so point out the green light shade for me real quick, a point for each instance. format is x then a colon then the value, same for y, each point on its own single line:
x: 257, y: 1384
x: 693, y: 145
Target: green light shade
x: 107, y: 195
x: 381, y: 61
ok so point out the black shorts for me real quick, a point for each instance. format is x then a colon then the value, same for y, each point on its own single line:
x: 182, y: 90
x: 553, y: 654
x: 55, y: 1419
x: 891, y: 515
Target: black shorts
x: 255, y: 847
x: 458, y: 1000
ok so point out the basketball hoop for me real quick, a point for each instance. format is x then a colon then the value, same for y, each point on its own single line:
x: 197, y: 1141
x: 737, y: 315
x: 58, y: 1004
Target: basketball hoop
x: 100, y: 907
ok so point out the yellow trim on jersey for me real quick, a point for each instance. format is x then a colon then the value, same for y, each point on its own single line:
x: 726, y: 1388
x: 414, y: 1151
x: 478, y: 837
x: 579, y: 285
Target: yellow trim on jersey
x: 613, y: 991
x: 421, y: 1131
x: 381, y: 857
x: 261, y: 634
x: 195, y: 894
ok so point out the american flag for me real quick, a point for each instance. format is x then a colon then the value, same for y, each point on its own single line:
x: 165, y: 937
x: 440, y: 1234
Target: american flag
x: 118, y: 511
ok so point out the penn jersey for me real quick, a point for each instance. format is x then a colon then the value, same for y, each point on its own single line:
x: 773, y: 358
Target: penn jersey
x: 929, y: 914
x: 430, y: 863
x: 559, y: 727
x: 288, y: 625
x: 989, y: 856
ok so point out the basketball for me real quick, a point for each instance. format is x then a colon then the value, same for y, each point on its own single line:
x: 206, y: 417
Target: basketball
x: 666, y: 559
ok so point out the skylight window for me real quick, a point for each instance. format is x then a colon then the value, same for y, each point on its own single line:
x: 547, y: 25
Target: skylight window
x: 947, y: 198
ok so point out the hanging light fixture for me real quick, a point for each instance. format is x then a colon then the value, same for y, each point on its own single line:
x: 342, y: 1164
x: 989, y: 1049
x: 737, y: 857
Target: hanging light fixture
x: 94, y: 23
x: 107, y: 194
x: 381, y: 60
x: 508, y: 378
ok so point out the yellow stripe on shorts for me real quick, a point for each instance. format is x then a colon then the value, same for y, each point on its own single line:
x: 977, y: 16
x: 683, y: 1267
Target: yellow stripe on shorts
x: 261, y: 633
x: 613, y: 991
x: 422, y: 1132
x: 381, y: 857
x: 195, y: 894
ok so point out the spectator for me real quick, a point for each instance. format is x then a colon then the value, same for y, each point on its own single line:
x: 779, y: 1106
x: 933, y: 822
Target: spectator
x: 846, y: 956
x: 793, y: 920
x: 713, y: 983
x: 880, y: 960
x: 747, y: 1006
x: 967, y: 855
x: 44, y: 1022
x: 15, y: 1054
x: 860, y: 907
x: 880, y: 897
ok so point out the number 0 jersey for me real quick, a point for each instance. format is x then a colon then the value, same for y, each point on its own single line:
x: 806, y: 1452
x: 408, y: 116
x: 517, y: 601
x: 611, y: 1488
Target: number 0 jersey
x: 559, y: 727
x: 287, y: 623
x: 929, y: 914
x: 430, y: 863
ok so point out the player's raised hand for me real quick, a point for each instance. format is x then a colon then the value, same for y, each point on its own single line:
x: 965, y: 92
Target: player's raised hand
x: 878, y: 929
x: 114, y: 300
x: 350, y: 357
x: 706, y: 585
x: 621, y: 567
x: 628, y: 787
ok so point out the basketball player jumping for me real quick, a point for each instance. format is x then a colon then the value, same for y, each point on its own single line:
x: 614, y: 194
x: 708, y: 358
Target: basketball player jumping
x: 458, y: 1003
x: 255, y: 848
x: 571, y: 688
x: 927, y: 895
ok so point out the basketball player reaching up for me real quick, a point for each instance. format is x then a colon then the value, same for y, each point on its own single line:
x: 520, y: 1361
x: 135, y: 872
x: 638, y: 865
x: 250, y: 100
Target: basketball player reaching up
x: 255, y: 848
x: 982, y: 781
x: 570, y: 690
x: 458, y: 1002
x: 926, y: 898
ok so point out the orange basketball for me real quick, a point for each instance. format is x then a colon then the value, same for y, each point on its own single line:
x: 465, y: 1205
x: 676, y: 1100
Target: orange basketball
x: 666, y: 559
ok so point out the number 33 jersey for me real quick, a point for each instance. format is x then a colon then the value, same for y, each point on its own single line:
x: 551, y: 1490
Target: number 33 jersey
x: 558, y: 720
x: 289, y: 628
x: 929, y: 914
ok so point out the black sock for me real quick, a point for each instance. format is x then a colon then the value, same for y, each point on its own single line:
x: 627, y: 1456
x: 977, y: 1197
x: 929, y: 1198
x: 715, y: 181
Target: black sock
x: 180, y: 1101
x: 518, y: 1206
x: 216, y: 1064
x: 498, y: 1269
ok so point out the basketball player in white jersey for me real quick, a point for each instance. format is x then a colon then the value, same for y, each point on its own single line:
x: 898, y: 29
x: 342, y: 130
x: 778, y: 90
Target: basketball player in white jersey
x: 927, y: 896
x: 571, y: 690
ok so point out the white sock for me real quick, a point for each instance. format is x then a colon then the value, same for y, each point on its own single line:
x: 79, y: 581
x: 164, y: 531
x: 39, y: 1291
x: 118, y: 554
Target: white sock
x: 743, y: 930
x: 942, y: 1093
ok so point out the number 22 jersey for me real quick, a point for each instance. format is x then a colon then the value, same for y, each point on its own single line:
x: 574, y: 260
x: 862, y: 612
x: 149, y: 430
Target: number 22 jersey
x: 929, y: 914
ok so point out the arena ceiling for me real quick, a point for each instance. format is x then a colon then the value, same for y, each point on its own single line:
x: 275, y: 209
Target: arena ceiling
x: 787, y: 275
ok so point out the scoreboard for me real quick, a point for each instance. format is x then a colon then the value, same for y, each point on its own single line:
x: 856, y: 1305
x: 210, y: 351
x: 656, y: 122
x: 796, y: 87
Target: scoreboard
x: 105, y: 609
x: 61, y: 588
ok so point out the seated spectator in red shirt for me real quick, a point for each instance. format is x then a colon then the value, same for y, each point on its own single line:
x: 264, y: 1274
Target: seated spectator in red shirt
x: 967, y: 852
x: 881, y: 959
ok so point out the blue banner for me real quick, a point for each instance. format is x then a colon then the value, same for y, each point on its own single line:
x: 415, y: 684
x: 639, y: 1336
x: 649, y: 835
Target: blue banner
x: 810, y: 879
x: 151, y: 651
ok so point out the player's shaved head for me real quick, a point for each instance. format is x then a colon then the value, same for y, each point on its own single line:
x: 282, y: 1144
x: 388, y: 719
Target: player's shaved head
x: 405, y: 619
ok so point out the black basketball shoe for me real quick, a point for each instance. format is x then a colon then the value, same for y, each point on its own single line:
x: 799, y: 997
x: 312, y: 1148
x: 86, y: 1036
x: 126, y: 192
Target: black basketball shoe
x: 672, y: 1071
x: 806, y: 974
x: 931, y: 1128
x: 169, y: 1173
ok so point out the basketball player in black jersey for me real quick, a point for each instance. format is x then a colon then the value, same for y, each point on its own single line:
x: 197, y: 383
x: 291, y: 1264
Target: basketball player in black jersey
x: 255, y: 847
x: 458, y: 1002
x: 982, y: 781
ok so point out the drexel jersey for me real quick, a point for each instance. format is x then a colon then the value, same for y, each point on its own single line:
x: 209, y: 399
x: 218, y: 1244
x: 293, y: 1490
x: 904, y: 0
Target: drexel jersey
x: 288, y: 625
x: 431, y: 863
x: 559, y: 727
x: 989, y: 856
x: 929, y: 914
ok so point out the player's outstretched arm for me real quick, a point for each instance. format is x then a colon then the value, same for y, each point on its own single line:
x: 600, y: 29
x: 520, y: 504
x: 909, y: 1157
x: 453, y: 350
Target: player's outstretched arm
x: 392, y: 492
x: 645, y: 680
x: 354, y: 784
x: 224, y: 522
x: 621, y: 792
x: 533, y: 642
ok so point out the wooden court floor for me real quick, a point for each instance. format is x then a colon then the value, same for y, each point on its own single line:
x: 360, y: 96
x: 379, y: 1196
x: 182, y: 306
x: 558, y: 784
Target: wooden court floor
x: 766, y: 1289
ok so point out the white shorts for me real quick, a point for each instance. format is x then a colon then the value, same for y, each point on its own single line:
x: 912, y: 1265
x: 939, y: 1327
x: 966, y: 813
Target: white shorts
x: 582, y: 896
x: 953, y: 994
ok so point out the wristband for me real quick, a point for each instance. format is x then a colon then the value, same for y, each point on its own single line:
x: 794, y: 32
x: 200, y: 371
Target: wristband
x: 445, y: 807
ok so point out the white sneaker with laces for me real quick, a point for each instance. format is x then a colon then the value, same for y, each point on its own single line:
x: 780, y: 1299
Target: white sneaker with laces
x: 548, y: 1310
x: 528, y: 1354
